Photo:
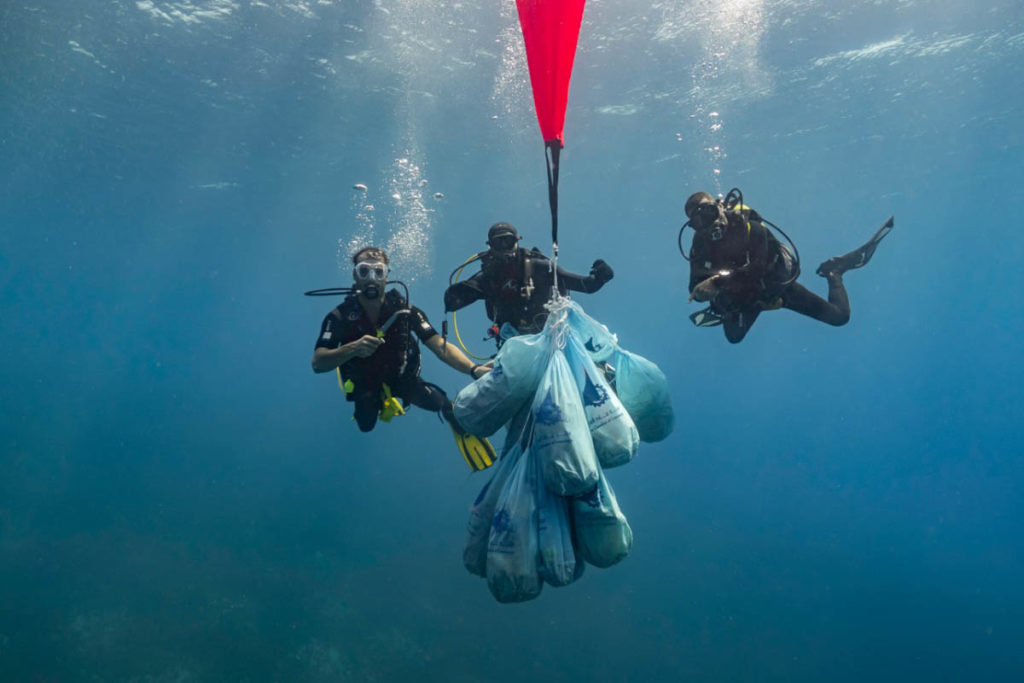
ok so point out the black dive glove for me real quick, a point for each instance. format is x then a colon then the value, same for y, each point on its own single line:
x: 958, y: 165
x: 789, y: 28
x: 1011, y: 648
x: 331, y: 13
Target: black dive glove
x: 601, y: 271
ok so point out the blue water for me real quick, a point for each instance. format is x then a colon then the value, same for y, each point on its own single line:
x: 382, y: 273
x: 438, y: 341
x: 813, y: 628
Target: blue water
x: 181, y: 499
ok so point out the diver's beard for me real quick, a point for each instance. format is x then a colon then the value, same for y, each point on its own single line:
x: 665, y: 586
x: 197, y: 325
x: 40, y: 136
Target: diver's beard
x: 370, y: 291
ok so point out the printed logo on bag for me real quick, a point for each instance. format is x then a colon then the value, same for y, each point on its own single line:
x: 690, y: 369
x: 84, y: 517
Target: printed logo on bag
x: 593, y: 395
x: 502, y: 522
x: 548, y: 413
x: 496, y: 371
x: 592, y: 347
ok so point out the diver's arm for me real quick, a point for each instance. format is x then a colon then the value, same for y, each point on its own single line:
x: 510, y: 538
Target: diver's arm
x: 600, y: 273
x: 462, y: 294
x: 448, y: 353
x: 451, y: 355
x: 325, y: 359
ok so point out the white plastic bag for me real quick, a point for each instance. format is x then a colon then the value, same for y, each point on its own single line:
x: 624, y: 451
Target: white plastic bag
x: 512, y: 547
x: 643, y: 390
x: 478, y: 531
x: 598, y: 341
x: 612, y: 431
x: 602, y: 533
x: 486, y: 405
x: 561, y: 438
x: 558, y: 562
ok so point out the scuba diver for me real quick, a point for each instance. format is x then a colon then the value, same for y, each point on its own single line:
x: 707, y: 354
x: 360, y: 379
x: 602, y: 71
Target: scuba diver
x: 369, y: 340
x: 740, y: 268
x: 516, y: 283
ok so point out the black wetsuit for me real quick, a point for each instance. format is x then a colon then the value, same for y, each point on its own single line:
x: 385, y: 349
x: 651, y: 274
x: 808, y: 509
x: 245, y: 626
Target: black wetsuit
x: 396, y: 362
x: 761, y: 273
x: 505, y: 287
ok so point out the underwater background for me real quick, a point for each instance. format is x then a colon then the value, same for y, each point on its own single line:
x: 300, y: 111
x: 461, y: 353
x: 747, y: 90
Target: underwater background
x: 182, y: 499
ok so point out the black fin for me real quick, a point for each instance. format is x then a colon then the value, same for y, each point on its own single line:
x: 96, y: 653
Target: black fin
x: 858, y: 257
x: 706, y: 318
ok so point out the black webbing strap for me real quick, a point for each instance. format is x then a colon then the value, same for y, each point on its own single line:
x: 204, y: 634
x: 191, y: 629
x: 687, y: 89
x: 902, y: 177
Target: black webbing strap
x: 552, y: 149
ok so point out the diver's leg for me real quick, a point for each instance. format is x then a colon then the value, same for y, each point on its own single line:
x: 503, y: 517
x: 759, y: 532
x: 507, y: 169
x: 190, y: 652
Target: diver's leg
x: 430, y: 397
x: 738, y: 324
x: 478, y: 452
x: 835, y: 311
x: 367, y: 408
x: 421, y: 394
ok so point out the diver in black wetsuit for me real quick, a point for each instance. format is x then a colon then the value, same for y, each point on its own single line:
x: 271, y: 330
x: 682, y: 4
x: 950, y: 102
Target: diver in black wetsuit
x: 371, y: 338
x: 741, y: 269
x: 515, y: 283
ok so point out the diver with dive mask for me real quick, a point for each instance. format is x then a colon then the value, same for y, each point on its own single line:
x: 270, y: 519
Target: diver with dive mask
x: 515, y: 283
x: 741, y: 269
x: 371, y: 340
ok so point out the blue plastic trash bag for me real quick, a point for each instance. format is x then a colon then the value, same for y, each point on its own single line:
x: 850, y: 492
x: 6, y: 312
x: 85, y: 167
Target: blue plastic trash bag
x: 643, y: 390
x: 561, y: 438
x: 595, y: 337
x: 512, y: 547
x: 615, y: 437
x: 639, y: 383
x: 478, y: 531
x: 602, y: 533
x: 484, y: 406
x: 558, y: 563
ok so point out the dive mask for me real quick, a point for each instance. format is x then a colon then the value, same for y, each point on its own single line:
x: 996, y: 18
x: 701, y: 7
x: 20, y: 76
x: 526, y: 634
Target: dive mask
x: 709, y: 216
x: 706, y: 214
x: 371, y: 276
x: 504, y: 244
x: 371, y: 270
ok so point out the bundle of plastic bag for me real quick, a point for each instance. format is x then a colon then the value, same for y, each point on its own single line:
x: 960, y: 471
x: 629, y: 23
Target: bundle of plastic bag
x: 548, y: 508
x: 561, y: 438
x: 486, y: 405
x: 612, y: 430
x: 512, y: 547
x: 602, y: 532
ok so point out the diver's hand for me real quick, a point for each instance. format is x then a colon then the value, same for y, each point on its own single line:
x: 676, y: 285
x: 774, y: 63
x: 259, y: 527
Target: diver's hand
x: 478, y: 371
x: 601, y: 271
x: 365, y: 346
x: 706, y: 290
x: 709, y: 288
